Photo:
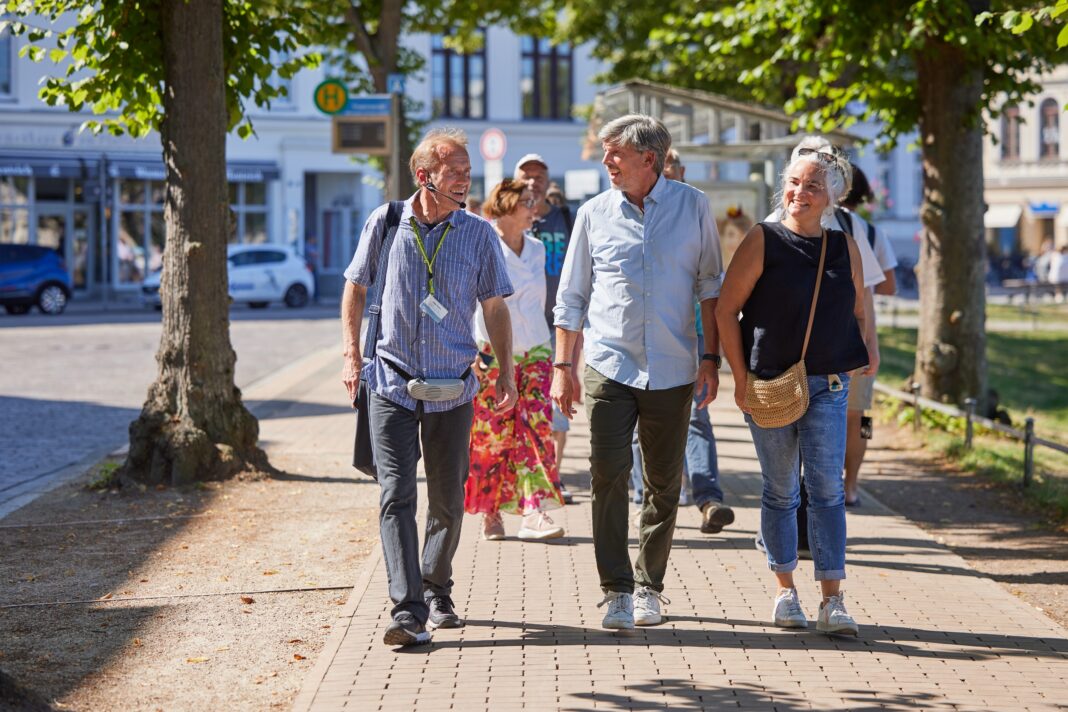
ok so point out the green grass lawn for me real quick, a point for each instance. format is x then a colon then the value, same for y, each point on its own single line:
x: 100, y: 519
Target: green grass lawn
x: 1029, y: 370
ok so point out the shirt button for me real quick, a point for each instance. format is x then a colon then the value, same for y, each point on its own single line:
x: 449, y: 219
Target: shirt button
x: 423, y: 341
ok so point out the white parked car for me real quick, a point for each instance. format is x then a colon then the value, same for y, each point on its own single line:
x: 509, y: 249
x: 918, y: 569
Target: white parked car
x: 259, y: 275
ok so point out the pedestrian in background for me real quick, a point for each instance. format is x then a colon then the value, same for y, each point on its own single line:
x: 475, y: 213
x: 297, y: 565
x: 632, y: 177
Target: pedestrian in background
x: 701, y: 466
x: 513, y: 461
x: 552, y: 227
x: 643, y: 249
x: 433, y: 266
x: 771, y: 283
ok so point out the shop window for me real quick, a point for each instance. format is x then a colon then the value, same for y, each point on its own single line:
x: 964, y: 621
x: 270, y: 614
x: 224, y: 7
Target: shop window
x: 1049, y: 138
x: 130, y: 247
x: 14, y: 190
x: 15, y: 225
x: 458, y: 81
x: 1010, y: 133
x: 52, y: 189
x: 546, y: 79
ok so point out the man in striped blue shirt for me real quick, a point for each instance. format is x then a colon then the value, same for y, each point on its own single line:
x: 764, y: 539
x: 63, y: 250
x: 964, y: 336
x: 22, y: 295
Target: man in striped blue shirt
x: 442, y: 262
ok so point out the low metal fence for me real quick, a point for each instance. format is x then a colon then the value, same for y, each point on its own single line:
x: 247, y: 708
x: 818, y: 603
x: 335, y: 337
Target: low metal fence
x: 1027, y: 435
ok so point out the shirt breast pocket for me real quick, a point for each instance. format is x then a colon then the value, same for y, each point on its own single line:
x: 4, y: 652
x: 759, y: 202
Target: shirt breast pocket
x: 456, y: 274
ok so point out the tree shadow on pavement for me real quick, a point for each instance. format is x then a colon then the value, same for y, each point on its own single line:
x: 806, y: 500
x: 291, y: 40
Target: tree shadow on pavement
x: 755, y: 635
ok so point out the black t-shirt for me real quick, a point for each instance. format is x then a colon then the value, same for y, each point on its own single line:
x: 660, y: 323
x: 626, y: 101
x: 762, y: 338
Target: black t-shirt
x: 776, y: 314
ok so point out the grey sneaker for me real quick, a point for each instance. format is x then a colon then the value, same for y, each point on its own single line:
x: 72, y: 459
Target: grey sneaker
x: 715, y: 516
x: 834, y: 619
x: 405, y: 629
x: 443, y: 614
x: 787, y: 612
x: 647, y: 606
x: 620, y: 615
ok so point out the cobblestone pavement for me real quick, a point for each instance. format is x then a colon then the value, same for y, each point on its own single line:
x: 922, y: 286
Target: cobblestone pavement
x: 934, y: 633
x: 69, y: 387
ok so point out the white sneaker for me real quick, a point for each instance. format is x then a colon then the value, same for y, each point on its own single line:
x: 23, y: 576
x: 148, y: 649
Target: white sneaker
x: 647, y: 606
x: 834, y: 618
x: 620, y: 614
x: 787, y: 612
x: 538, y: 526
x: 492, y: 527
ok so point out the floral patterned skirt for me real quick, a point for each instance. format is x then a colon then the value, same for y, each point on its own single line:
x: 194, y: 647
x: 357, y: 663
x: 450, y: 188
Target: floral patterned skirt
x: 513, y: 459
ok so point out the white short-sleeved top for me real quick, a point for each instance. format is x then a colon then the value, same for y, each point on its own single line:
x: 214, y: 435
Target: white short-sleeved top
x: 526, y: 306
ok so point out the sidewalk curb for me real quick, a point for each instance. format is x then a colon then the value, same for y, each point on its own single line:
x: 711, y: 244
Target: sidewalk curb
x: 272, y: 386
x: 310, y: 686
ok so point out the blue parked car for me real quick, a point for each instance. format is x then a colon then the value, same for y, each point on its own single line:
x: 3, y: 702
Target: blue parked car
x: 31, y: 275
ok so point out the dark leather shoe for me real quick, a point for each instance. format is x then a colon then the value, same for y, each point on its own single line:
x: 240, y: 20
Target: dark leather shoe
x: 715, y: 516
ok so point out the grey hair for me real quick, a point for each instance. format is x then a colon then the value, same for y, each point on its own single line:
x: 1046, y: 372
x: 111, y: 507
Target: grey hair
x: 640, y: 132
x: 427, y: 154
x: 837, y: 176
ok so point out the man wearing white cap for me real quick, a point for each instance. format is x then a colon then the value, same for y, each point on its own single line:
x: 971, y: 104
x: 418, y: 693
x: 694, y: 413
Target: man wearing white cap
x: 552, y: 226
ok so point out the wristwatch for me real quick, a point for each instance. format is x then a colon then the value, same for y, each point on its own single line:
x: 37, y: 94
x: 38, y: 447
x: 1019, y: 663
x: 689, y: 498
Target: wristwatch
x: 714, y: 358
x: 562, y: 364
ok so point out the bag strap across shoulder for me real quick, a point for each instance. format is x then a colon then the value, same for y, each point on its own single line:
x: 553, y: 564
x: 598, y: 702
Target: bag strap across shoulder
x: 374, y: 294
x: 815, y: 295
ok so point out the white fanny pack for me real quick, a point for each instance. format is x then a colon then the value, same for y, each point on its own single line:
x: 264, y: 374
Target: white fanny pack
x: 436, y: 389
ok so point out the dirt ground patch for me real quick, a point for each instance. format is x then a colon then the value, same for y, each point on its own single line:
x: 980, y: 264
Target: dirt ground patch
x: 987, y: 524
x: 211, y: 598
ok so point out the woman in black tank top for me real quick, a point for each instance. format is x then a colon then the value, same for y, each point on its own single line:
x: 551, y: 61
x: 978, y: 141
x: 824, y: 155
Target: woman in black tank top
x: 770, y: 284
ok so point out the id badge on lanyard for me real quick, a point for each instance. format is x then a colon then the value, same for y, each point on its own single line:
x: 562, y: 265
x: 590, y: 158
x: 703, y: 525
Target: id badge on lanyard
x: 431, y: 306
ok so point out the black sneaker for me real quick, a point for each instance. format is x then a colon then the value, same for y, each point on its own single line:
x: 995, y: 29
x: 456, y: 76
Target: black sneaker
x: 405, y: 629
x: 442, y: 614
x: 715, y: 516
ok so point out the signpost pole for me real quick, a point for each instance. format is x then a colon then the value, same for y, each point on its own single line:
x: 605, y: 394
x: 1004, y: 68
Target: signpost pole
x: 396, y: 180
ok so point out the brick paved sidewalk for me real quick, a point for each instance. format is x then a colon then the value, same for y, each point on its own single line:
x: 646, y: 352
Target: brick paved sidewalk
x: 934, y: 635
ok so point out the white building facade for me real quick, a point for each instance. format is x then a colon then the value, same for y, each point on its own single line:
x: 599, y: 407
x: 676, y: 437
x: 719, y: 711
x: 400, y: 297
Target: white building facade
x: 1025, y: 170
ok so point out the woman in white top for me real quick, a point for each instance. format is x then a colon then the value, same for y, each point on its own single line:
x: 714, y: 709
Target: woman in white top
x: 513, y: 465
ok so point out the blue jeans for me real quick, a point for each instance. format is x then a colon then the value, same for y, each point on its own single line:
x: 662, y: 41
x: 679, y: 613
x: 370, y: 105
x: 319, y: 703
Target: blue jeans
x: 701, y: 467
x: 817, y: 442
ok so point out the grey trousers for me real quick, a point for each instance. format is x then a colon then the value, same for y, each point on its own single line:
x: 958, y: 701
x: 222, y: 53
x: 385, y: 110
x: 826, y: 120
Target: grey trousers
x: 396, y: 433
x: 613, y: 409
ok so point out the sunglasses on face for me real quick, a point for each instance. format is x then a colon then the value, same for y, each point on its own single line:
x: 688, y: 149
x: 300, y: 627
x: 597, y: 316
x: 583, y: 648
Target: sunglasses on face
x: 824, y: 156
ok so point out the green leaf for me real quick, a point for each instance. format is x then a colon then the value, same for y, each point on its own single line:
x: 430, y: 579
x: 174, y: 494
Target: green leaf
x: 1025, y: 23
x: 1062, y: 38
x: 57, y: 55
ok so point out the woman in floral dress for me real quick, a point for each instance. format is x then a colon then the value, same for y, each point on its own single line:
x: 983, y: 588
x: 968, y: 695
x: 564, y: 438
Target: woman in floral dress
x: 513, y: 465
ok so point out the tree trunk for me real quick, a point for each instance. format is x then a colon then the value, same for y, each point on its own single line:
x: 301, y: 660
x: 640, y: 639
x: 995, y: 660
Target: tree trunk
x: 193, y: 425
x: 951, y: 346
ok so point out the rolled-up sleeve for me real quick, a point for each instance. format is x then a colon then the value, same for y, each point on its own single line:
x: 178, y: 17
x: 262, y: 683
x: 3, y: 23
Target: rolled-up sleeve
x: 576, y: 278
x: 710, y: 269
x: 361, y: 269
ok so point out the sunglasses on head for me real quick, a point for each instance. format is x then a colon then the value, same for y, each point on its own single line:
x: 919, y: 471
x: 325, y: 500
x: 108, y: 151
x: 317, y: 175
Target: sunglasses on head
x: 529, y: 203
x: 824, y: 156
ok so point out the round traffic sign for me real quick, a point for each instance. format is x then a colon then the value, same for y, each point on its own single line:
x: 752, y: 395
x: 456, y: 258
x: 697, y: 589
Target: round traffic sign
x: 492, y: 145
x: 331, y: 96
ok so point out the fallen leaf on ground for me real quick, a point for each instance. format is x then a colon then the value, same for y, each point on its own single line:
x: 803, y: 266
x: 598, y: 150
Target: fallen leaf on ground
x: 137, y: 642
x: 269, y: 572
x: 295, y: 640
x: 298, y: 656
x: 197, y: 660
x: 248, y: 599
x: 222, y: 648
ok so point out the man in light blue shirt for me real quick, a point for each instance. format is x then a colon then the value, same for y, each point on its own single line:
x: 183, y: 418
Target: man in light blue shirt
x: 640, y: 254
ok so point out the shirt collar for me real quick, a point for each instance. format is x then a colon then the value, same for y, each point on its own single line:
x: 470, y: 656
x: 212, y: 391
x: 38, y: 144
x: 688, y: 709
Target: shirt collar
x: 409, y: 212
x: 656, y: 194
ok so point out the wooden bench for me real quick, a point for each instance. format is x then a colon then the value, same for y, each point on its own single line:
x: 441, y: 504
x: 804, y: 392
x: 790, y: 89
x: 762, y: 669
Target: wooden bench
x: 1028, y: 290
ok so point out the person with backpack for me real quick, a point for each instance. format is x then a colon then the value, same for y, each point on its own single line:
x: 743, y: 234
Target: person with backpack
x: 861, y: 390
x: 552, y: 227
x: 427, y: 264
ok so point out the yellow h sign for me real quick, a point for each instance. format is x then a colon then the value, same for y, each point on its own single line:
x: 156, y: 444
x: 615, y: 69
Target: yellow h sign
x: 331, y: 96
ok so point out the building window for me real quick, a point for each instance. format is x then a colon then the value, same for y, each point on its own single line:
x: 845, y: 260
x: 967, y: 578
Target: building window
x: 1010, y: 133
x: 458, y: 81
x: 7, y: 67
x: 546, y: 80
x: 249, y: 203
x: 1049, y: 137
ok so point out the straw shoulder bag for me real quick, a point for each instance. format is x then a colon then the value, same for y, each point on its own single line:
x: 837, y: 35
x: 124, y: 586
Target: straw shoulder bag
x: 780, y: 401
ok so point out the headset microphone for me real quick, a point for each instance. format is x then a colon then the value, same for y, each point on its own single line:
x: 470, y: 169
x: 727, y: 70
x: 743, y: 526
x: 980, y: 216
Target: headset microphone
x: 430, y: 186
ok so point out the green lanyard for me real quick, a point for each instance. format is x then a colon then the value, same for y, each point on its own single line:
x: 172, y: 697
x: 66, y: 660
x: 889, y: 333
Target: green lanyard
x: 429, y: 262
